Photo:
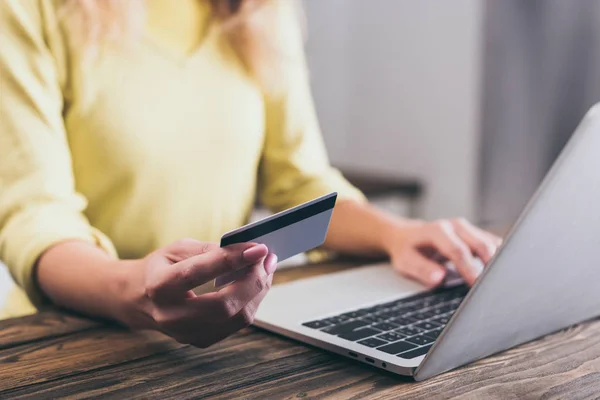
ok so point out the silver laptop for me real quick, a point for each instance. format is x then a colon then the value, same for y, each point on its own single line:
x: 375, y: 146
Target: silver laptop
x: 545, y: 277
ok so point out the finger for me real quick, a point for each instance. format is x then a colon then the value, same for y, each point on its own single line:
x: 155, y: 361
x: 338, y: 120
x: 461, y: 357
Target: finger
x: 270, y: 263
x: 242, y: 319
x: 230, y: 300
x: 479, y: 243
x: 175, y: 280
x: 246, y: 315
x: 186, y: 248
x: 497, y: 240
x: 228, y: 259
x: 448, y: 244
x: 417, y: 266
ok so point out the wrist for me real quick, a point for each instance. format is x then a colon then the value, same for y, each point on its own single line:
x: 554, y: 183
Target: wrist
x: 128, y: 293
x: 389, y: 235
x: 394, y: 232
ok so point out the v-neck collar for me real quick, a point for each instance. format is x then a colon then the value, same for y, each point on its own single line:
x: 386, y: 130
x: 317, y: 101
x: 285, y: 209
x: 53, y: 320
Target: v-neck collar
x: 180, y: 58
x: 157, y: 25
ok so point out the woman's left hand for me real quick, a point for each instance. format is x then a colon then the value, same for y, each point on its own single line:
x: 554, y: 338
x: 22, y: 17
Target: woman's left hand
x: 419, y: 250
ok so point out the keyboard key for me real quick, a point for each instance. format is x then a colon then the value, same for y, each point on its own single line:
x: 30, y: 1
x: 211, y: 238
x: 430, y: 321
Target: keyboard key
x: 329, y: 330
x: 372, y: 342
x: 354, y: 314
x: 455, y: 298
x: 390, y: 336
x: 442, y: 320
x: 389, y: 304
x: 404, y: 303
x: 359, y: 334
x: 317, y: 324
x: 380, y: 307
x: 439, y: 297
x: 427, y: 325
x: 336, y: 320
x: 420, y: 340
x: 388, y: 315
x: 373, y: 318
x: 437, y: 311
x: 397, y: 347
x: 402, y: 321
x: 429, y: 302
x: 448, y: 296
x: 347, y: 327
x: 434, y: 333
x: 416, y: 297
x: 448, y: 308
x: 385, y: 326
x: 406, y: 308
x: 370, y: 310
x: 398, y: 308
x: 396, y: 304
x: 409, y: 330
x: 415, y: 353
x: 455, y: 293
x: 423, y: 315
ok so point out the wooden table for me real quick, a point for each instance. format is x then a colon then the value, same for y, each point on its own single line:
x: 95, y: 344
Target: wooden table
x: 53, y: 354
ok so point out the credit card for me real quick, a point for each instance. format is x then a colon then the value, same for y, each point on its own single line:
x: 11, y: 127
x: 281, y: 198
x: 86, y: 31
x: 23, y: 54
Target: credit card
x: 286, y: 233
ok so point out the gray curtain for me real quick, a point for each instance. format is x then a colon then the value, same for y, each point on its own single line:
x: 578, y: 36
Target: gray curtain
x: 541, y: 74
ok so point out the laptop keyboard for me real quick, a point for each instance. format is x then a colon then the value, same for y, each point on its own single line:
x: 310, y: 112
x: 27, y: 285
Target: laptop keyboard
x: 406, y: 327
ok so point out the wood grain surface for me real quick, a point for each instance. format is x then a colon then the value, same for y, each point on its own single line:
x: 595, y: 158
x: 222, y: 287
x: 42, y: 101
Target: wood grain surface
x: 52, y: 355
x: 43, y: 325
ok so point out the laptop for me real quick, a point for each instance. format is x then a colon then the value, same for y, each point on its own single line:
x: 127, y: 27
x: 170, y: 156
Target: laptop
x: 545, y: 277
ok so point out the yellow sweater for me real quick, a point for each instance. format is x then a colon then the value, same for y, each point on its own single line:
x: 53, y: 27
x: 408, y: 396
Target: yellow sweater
x: 169, y: 139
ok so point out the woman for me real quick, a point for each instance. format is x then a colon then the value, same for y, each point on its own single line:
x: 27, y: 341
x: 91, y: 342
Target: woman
x: 128, y: 125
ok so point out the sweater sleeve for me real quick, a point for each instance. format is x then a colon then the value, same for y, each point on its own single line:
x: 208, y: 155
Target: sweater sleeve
x: 294, y: 166
x: 39, y: 206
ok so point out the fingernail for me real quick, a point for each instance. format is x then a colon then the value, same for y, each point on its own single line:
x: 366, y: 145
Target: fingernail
x: 271, y: 263
x: 255, y: 253
x: 436, y: 276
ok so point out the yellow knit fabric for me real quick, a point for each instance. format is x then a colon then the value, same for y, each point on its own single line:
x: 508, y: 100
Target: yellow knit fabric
x: 168, y: 139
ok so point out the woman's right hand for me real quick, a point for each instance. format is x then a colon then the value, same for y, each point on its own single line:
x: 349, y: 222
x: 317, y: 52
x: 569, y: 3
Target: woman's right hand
x: 159, y: 293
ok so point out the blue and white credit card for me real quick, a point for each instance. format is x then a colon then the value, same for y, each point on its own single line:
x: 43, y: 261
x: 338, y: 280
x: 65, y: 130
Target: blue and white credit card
x: 285, y: 234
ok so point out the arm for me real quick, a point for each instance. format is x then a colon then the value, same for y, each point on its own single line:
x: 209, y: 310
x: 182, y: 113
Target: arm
x: 417, y: 249
x: 39, y: 207
x: 81, y: 276
x: 156, y: 292
x: 49, y: 246
x: 295, y: 169
x: 359, y: 228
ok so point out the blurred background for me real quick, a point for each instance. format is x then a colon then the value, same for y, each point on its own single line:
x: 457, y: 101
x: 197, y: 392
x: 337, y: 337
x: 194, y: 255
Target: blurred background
x: 452, y: 108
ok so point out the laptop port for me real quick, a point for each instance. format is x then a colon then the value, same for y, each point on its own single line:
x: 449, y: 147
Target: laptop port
x: 384, y: 365
x: 369, y: 359
x: 353, y: 354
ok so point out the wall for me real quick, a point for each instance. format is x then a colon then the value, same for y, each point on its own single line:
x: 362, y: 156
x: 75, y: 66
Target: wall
x: 396, y: 84
x: 541, y: 76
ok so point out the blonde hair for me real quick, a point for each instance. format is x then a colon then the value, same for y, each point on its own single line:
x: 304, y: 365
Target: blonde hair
x: 248, y: 25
